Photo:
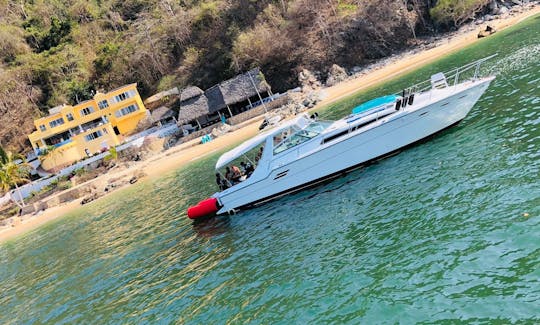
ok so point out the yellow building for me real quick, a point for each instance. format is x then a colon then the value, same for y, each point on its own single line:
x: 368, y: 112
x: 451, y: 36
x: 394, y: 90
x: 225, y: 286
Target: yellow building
x: 89, y: 127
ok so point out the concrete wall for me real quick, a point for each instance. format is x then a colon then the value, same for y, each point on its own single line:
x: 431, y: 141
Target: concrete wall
x: 36, y: 186
x: 5, y: 199
x: 136, y: 140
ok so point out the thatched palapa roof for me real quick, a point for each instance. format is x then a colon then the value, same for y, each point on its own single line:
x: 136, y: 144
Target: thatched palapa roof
x: 193, y: 108
x: 161, y: 113
x: 195, y: 103
x: 243, y: 86
x: 189, y: 92
x: 215, y: 98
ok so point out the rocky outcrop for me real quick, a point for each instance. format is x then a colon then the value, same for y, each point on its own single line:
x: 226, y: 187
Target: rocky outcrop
x: 221, y: 130
x: 336, y: 75
x: 308, y: 81
x: 486, y: 32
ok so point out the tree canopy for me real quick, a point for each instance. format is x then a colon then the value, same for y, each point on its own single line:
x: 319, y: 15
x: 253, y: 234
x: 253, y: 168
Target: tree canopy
x: 54, y: 52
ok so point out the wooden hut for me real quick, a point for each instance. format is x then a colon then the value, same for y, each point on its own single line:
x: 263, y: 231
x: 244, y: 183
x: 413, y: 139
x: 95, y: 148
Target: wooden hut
x: 228, y: 98
x: 215, y: 99
x: 189, y: 93
x: 193, y: 109
x: 244, y: 88
x: 162, y: 115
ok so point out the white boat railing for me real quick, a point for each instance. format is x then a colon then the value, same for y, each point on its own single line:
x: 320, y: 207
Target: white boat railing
x: 454, y: 74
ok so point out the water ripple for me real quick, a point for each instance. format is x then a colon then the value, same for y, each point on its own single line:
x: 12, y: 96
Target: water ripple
x: 435, y: 234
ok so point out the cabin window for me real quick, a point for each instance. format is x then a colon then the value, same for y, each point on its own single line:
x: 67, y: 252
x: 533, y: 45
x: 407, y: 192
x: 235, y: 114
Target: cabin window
x: 293, y: 137
x: 335, y: 136
x: 362, y: 125
x: 42, y: 128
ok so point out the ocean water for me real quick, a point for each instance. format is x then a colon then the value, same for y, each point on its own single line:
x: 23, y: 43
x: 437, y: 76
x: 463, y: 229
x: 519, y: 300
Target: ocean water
x: 444, y: 232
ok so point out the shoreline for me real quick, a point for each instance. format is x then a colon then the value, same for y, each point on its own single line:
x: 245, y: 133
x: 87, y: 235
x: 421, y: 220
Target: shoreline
x: 184, y: 154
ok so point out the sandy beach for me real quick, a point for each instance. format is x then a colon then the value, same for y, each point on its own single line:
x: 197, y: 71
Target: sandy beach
x: 184, y: 154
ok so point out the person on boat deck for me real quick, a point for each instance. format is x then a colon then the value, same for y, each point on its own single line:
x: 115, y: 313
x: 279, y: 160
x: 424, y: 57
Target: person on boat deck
x: 232, y: 174
x: 228, y: 173
x: 247, y: 168
x: 259, y: 154
x: 221, y: 183
x: 236, y: 174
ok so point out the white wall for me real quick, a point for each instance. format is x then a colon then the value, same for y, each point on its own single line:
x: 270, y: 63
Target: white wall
x: 5, y: 199
x: 135, y: 140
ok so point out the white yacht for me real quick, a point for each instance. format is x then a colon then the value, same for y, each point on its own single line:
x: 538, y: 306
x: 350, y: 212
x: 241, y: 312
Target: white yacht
x: 304, y: 151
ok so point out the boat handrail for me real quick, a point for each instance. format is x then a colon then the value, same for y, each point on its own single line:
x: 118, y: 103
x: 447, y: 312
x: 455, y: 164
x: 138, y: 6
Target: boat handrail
x: 451, y: 74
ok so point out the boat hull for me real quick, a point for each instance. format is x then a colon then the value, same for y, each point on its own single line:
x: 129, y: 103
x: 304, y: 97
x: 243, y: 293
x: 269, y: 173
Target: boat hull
x: 356, y: 150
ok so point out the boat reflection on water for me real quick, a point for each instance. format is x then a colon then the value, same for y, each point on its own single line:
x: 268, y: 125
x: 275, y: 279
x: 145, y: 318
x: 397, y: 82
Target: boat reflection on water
x: 212, y: 226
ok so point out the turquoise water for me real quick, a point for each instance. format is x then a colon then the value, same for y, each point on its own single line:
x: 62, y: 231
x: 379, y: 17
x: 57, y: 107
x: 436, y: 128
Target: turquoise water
x: 434, y: 234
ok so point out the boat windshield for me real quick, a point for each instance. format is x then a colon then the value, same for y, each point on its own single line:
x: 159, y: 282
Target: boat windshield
x: 291, y: 137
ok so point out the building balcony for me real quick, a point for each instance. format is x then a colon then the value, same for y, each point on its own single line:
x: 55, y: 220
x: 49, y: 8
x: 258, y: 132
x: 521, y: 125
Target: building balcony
x: 58, y: 145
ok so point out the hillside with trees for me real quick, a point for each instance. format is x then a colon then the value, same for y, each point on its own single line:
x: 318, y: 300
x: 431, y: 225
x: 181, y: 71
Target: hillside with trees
x: 54, y: 52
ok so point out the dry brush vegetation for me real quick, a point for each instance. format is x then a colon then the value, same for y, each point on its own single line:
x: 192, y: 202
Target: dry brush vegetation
x: 61, y: 51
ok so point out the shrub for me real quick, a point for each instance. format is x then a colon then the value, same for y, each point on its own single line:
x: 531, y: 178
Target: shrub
x: 456, y: 12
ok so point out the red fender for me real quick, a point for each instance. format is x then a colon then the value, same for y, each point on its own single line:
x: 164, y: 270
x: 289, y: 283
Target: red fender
x: 203, y: 208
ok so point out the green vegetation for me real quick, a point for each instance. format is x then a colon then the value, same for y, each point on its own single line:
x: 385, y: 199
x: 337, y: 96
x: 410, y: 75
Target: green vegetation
x: 55, y: 52
x: 112, y: 156
x: 456, y: 12
x: 12, y: 173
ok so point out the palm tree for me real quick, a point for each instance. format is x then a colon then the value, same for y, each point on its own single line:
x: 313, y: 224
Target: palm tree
x: 13, y: 174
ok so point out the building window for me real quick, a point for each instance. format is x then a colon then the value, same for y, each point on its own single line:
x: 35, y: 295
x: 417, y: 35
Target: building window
x: 93, y: 136
x: 126, y: 110
x: 56, y: 122
x: 123, y: 96
x: 86, y: 111
x: 42, y: 128
x: 69, y: 116
x: 103, y: 104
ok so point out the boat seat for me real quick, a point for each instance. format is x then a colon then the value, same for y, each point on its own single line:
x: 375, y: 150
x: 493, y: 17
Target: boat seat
x: 438, y: 81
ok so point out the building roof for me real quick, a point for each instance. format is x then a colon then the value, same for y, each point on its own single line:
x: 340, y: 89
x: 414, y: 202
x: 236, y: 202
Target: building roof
x: 243, y: 86
x: 196, y: 103
x: 215, y: 99
x: 190, y: 92
x: 160, y: 95
x: 161, y: 113
x: 193, y: 108
x: 118, y: 88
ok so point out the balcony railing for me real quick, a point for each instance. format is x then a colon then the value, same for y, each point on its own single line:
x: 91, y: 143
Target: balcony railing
x: 58, y: 145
